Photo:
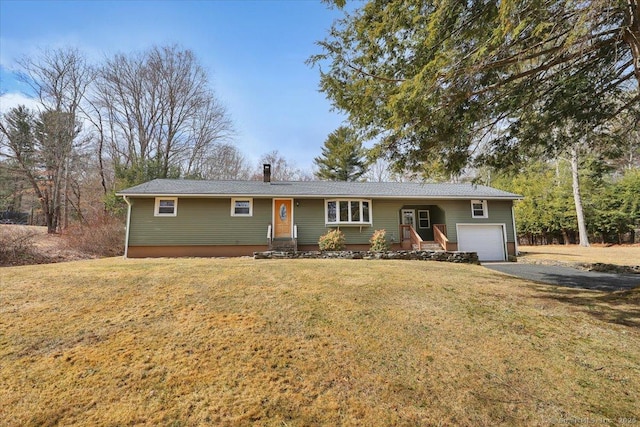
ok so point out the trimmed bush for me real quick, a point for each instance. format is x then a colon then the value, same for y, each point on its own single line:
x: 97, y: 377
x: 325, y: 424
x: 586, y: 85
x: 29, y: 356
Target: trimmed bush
x: 379, y: 241
x: 332, y: 241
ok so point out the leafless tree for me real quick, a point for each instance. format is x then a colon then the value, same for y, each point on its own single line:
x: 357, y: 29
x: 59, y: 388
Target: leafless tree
x: 379, y: 171
x: 42, y: 144
x: 281, y: 168
x: 160, y: 109
x: 223, y: 161
x: 382, y: 171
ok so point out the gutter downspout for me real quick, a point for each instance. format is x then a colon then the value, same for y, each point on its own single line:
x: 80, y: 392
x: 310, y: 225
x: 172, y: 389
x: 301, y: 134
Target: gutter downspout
x: 515, y: 233
x: 126, y: 236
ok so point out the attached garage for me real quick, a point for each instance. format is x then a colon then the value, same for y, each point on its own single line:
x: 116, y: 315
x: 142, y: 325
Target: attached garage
x: 488, y: 240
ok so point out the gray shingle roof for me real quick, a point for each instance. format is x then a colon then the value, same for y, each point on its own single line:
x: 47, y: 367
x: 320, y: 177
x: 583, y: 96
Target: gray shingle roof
x: 183, y: 187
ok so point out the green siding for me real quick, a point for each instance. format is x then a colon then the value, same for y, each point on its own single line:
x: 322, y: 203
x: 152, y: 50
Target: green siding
x: 199, y: 222
x: 208, y: 221
x: 309, y: 217
x: 386, y: 215
x: 459, y: 212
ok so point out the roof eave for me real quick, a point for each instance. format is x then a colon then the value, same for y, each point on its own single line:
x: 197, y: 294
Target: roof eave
x: 322, y: 196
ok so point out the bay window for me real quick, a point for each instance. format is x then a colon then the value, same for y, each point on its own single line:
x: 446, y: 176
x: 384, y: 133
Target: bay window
x: 348, y: 211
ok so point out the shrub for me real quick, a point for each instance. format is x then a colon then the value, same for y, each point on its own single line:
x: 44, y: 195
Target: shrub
x: 332, y: 241
x: 379, y: 241
x: 102, y: 236
x: 17, y: 246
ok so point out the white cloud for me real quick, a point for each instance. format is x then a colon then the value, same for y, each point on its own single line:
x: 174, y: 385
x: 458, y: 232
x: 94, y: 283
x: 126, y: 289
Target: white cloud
x: 13, y: 99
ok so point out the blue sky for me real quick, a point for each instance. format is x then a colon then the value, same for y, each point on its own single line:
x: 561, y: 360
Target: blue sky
x: 254, y: 52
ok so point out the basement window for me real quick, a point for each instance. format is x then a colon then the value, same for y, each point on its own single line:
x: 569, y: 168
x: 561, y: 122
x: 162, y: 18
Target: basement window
x: 166, y: 206
x: 242, y: 207
x: 348, y: 212
x: 479, y: 209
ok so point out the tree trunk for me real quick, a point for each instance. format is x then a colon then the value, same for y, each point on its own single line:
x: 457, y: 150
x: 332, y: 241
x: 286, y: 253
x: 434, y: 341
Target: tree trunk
x: 48, y: 216
x: 65, y: 222
x: 577, y: 198
x: 631, y: 34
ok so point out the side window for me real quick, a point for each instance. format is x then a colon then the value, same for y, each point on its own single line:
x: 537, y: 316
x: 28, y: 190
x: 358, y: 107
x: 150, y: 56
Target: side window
x: 424, y: 221
x: 479, y: 209
x: 166, y: 206
x: 241, y: 207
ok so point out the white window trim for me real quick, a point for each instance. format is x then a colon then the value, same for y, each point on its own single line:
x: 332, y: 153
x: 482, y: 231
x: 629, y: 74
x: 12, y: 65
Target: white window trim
x: 428, y: 218
x: 343, y: 223
x: 485, y: 210
x: 241, y: 199
x: 156, y: 209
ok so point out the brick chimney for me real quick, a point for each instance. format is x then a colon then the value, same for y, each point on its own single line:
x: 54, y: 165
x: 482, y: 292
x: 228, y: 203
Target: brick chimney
x: 266, y: 172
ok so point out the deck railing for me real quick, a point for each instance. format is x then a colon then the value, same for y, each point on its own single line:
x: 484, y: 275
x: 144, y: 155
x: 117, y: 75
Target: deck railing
x: 440, y: 235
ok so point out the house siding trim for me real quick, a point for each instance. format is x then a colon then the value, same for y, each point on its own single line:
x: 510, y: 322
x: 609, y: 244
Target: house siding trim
x: 128, y: 226
x: 195, y: 251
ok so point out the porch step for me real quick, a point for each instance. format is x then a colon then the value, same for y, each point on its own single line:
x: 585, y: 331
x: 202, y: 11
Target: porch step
x: 283, y: 245
x: 429, y: 246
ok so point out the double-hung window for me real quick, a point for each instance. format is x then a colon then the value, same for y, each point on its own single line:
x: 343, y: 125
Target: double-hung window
x: 166, y: 206
x: 242, y: 207
x: 348, y: 212
x: 479, y: 209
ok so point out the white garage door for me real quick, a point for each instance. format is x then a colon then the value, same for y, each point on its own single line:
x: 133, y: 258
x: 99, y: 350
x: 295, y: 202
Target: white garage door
x: 486, y: 240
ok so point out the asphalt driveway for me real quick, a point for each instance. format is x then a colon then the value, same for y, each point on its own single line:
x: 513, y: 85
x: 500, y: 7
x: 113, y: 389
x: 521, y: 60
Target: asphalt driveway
x: 566, y: 276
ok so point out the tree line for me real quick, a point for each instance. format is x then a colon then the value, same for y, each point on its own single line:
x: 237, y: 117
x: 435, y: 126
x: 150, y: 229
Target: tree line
x: 100, y: 128
x: 547, y: 215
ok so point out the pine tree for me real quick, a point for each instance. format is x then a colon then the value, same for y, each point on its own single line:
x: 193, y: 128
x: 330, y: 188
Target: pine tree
x: 343, y: 157
x: 468, y: 81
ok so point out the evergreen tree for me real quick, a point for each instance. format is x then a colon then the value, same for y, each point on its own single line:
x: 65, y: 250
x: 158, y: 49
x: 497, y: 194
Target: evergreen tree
x: 343, y: 157
x: 450, y: 80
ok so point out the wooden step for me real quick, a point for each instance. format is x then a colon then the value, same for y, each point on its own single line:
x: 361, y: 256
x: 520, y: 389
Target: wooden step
x: 429, y: 246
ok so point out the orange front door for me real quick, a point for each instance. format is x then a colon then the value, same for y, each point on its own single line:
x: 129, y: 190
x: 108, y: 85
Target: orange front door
x: 282, y: 218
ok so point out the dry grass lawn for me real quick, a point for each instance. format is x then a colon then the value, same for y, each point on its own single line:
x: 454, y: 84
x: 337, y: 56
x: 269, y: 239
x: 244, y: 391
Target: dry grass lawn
x: 185, y: 342
x: 618, y: 254
x: 27, y: 244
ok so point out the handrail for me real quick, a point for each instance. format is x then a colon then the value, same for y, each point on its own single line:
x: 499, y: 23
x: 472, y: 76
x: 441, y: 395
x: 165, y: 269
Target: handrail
x: 440, y: 235
x: 295, y: 237
x: 414, y: 237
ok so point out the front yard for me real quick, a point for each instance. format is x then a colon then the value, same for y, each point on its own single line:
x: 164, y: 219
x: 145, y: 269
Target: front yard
x: 310, y: 342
